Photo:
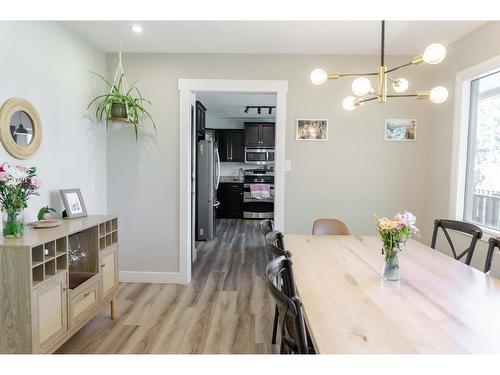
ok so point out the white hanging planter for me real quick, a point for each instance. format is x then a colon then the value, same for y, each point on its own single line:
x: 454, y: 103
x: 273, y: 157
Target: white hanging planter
x: 119, y: 107
x: 120, y: 115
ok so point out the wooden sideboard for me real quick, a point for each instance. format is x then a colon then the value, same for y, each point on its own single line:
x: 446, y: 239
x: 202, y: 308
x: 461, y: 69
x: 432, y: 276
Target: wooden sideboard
x: 45, y: 295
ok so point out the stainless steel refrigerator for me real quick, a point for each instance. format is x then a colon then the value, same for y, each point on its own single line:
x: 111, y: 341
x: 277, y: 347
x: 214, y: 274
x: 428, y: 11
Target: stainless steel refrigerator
x: 207, y: 183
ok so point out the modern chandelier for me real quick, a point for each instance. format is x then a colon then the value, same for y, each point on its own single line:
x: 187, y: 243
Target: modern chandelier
x: 362, y: 87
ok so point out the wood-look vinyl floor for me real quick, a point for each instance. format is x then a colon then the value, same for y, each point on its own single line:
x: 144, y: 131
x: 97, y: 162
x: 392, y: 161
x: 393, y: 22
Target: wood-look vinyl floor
x: 225, y: 309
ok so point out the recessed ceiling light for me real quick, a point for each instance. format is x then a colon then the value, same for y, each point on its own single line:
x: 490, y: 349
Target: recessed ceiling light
x: 137, y: 29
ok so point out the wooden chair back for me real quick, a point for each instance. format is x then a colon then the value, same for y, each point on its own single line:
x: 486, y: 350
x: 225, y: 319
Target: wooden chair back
x: 266, y: 226
x: 459, y: 226
x: 289, y: 304
x: 324, y: 227
x: 276, y: 245
x: 494, y: 243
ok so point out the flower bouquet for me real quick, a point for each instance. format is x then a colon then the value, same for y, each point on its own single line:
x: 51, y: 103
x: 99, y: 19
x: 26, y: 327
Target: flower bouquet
x: 394, y: 233
x: 17, y: 184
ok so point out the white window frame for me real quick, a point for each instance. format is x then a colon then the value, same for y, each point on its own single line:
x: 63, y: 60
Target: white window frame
x: 460, y: 136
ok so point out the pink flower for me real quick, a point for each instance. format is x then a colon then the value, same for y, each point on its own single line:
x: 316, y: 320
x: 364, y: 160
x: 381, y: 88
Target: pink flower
x: 4, y: 176
x: 36, y: 181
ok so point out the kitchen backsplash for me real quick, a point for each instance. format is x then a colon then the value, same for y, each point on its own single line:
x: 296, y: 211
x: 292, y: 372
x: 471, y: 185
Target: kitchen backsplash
x: 231, y: 168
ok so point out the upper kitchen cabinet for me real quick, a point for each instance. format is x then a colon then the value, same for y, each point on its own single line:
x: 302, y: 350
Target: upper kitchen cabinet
x: 259, y: 134
x: 200, y: 117
x: 231, y: 145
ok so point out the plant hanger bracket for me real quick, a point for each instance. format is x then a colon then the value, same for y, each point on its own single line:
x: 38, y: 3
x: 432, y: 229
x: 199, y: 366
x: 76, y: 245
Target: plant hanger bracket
x: 120, y: 75
x: 120, y: 71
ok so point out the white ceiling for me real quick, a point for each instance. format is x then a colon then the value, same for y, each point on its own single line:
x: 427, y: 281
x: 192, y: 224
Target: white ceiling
x: 232, y: 104
x: 273, y: 37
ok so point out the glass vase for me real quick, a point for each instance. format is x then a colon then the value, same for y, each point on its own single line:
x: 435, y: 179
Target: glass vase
x: 13, y: 223
x: 390, y: 269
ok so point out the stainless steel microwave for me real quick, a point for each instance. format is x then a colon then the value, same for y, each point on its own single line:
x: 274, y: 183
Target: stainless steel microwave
x: 261, y: 156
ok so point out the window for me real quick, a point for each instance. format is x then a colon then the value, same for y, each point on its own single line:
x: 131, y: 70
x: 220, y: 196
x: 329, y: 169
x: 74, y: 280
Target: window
x: 482, y: 171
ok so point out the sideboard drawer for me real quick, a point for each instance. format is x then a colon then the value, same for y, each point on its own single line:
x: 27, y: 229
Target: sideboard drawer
x: 83, y: 302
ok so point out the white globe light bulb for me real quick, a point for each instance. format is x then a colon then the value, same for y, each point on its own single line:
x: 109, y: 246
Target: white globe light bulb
x: 439, y: 95
x: 349, y: 103
x: 361, y: 86
x: 400, y: 85
x: 434, y: 54
x: 319, y: 76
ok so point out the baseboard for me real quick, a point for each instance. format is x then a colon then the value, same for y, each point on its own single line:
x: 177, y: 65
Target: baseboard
x: 151, y: 277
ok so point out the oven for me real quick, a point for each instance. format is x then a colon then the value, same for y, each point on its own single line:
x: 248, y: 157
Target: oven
x: 258, y: 208
x: 260, y: 156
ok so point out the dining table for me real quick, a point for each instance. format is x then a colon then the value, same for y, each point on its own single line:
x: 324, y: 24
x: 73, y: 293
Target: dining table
x: 438, y: 306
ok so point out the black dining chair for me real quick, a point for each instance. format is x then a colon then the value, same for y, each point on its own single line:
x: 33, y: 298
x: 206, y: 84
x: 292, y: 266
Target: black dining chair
x: 276, y: 248
x: 293, y: 327
x: 276, y: 244
x: 458, y: 226
x: 266, y: 226
x: 494, y: 243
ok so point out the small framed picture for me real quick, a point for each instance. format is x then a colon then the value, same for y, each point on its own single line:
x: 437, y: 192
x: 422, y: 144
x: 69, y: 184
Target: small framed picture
x: 402, y: 130
x: 73, y: 203
x: 311, y: 130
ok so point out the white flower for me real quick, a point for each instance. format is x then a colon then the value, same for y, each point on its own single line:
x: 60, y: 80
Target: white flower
x: 407, y: 217
x: 17, y: 173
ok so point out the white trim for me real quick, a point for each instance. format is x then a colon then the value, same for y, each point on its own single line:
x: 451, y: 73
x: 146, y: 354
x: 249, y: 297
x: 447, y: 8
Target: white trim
x: 186, y: 87
x: 460, y: 133
x: 151, y: 277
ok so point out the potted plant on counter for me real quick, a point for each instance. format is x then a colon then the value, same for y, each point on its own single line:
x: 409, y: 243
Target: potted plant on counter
x: 17, y: 184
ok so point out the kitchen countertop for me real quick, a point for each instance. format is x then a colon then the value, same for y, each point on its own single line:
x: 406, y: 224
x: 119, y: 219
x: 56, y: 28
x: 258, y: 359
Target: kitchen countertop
x: 229, y: 179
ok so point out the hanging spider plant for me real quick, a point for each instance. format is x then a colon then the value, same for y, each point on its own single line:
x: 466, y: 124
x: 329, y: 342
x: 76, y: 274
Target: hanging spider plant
x: 119, y: 105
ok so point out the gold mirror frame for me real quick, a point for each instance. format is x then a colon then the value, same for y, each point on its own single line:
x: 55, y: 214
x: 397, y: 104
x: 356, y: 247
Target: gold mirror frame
x: 9, y: 108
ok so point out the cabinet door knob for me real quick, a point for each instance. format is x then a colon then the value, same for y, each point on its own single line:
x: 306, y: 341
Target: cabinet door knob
x: 65, y: 289
x: 86, y: 294
x: 102, y: 265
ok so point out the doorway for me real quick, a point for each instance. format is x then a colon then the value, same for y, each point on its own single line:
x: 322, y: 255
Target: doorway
x: 188, y: 89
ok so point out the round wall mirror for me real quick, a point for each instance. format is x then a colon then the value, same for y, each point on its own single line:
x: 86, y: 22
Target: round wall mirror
x: 20, y: 128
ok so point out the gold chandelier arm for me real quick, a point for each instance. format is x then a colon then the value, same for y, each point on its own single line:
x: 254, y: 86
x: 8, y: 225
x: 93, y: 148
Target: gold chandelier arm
x: 399, y: 67
x: 355, y: 74
x: 403, y: 96
x: 367, y: 99
x: 418, y: 60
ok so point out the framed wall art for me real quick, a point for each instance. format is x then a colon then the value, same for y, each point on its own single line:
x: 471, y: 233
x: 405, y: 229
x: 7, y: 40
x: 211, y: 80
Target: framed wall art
x: 311, y: 130
x: 400, y: 130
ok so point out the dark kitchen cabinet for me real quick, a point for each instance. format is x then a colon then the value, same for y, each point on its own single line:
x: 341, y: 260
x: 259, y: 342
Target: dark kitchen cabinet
x: 230, y: 196
x: 200, y: 118
x: 260, y: 134
x: 252, y: 135
x: 231, y: 145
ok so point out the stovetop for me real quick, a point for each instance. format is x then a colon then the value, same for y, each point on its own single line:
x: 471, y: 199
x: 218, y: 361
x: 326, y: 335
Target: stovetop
x: 258, y: 172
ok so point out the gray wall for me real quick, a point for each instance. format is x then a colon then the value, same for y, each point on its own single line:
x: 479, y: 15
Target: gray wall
x: 474, y: 48
x: 352, y: 176
x: 46, y: 63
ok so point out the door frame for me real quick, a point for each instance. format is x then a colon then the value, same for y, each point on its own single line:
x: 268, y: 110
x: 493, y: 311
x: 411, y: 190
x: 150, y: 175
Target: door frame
x: 187, y: 87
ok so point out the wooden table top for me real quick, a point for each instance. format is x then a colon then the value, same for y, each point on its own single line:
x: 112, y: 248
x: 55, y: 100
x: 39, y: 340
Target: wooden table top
x: 439, y: 306
x: 34, y: 237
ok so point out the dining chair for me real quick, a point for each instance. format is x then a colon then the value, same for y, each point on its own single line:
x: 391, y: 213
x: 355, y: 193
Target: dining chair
x: 276, y: 248
x: 324, y: 227
x: 293, y: 327
x: 276, y: 245
x: 457, y: 226
x: 494, y: 243
x: 266, y: 226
